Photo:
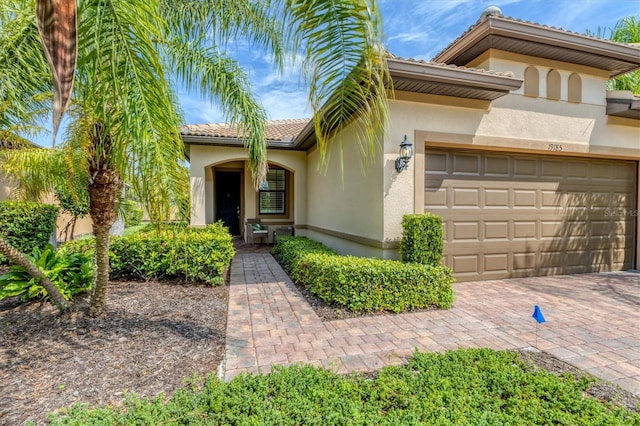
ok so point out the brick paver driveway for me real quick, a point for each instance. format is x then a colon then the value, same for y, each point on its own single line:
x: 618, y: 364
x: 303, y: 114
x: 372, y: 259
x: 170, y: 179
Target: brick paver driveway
x: 592, y: 322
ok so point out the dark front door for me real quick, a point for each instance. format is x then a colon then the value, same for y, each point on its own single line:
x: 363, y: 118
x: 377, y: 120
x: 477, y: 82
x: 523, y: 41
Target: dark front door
x: 228, y: 200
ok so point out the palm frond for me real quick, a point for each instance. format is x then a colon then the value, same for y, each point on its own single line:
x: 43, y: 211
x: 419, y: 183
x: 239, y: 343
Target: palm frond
x: 58, y: 33
x: 344, y: 65
x: 25, y: 79
x: 220, y: 78
x: 216, y: 23
x: 35, y: 171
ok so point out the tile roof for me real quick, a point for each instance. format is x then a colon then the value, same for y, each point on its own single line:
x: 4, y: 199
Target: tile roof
x: 277, y: 130
x: 443, y: 65
x: 536, y: 24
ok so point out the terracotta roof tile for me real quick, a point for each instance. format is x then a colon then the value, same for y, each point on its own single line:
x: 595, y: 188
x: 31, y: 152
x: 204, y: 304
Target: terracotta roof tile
x: 277, y: 130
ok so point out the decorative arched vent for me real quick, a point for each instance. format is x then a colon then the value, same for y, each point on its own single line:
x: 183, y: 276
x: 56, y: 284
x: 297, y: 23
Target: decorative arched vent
x: 553, y: 85
x: 531, y: 82
x: 575, y: 88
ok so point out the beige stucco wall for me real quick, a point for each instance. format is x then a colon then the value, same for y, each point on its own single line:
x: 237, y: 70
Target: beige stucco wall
x: 593, y: 80
x: 346, y: 202
x: 204, y: 158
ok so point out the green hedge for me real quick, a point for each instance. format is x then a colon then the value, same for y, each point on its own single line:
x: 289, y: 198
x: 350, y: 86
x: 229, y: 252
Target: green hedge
x: 192, y: 254
x: 364, y: 284
x: 422, y: 240
x: 132, y: 214
x: 27, y: 225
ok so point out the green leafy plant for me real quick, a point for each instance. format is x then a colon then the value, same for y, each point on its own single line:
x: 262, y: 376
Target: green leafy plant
x: 132, y: 214
x: 461, y: 387
x: 173, y: 251
x: 422, y: 240
x: 364, y: 284
x: 71, y: 273
x: 26, y: 225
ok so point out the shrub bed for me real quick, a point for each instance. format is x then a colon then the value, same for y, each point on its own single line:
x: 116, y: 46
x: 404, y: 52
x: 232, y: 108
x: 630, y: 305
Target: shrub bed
x: 364, y: 284
x: 27, y: 225
x: 193, y: 254
x: 462, y: 387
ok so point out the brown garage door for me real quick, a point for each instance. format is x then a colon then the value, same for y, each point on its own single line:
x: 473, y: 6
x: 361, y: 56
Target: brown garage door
x: 529, y: 215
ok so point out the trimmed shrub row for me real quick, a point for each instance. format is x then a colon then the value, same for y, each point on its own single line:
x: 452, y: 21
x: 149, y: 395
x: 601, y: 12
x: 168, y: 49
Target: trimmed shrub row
x: 364, y: 284
x: 192, y: 254
x: 27, y: 225
x: 422, y: 240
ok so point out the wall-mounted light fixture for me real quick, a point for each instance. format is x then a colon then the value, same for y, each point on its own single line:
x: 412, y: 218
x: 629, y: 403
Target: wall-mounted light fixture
x: 406, y: 152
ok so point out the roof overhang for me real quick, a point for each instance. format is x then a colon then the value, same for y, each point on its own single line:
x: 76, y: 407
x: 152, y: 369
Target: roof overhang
x: 531, y: 39
x: 234, y: 142
x: 623, y: 105
x: 439, y: 79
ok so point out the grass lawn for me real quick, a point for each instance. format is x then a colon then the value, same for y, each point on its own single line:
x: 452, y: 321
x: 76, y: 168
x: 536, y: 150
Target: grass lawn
x: 463, y: 387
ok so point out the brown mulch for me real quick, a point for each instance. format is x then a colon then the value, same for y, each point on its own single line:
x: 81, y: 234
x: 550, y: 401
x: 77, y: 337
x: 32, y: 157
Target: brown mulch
x: 153, y: 336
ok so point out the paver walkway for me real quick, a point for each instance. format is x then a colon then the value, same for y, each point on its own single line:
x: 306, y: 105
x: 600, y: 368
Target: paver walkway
x: 593, y: 323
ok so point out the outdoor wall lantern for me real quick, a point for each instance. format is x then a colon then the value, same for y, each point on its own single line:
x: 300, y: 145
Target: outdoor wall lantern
x: 406, y: 152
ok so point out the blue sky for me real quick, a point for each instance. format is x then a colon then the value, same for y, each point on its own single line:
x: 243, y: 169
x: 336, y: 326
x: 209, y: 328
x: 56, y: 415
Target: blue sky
x: 413, y: 28
x: 417, y: 29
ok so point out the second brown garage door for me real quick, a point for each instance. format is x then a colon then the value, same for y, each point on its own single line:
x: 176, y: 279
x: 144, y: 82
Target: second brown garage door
x: 527, y: 215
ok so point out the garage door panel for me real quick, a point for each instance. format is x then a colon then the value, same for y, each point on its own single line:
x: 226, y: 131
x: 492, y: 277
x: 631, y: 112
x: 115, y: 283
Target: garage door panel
x: 496, y: 263
x: 525, y: 167
x: 497, y: 197
x: 524, y: 229
x: 496, y: 230
x: 465, y: 264
x: 466, y: 231
x: 467, y: 165
x: 498, y: 166
x: 553, y: 168
x: 524, y: 198
x: 578, y: 170
x: 466, y: 197
x: 524, y: 215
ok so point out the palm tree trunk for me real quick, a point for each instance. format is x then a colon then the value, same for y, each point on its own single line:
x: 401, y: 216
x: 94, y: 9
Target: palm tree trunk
x: 104, y: 190
x: 99, y: 294
x: 20, y: 259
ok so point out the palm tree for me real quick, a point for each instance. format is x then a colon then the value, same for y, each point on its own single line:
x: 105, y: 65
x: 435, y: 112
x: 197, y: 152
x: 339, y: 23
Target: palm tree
x: 626, y: 30
x: 124, y: 115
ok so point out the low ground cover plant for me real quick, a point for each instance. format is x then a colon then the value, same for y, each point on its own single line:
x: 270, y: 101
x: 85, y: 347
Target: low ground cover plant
x: 192, y: 254
x: 71, y: 273
x: 465, y: 387
x: 364, y: 284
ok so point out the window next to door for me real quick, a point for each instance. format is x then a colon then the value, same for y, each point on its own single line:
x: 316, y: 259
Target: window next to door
x: 273, y: 191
